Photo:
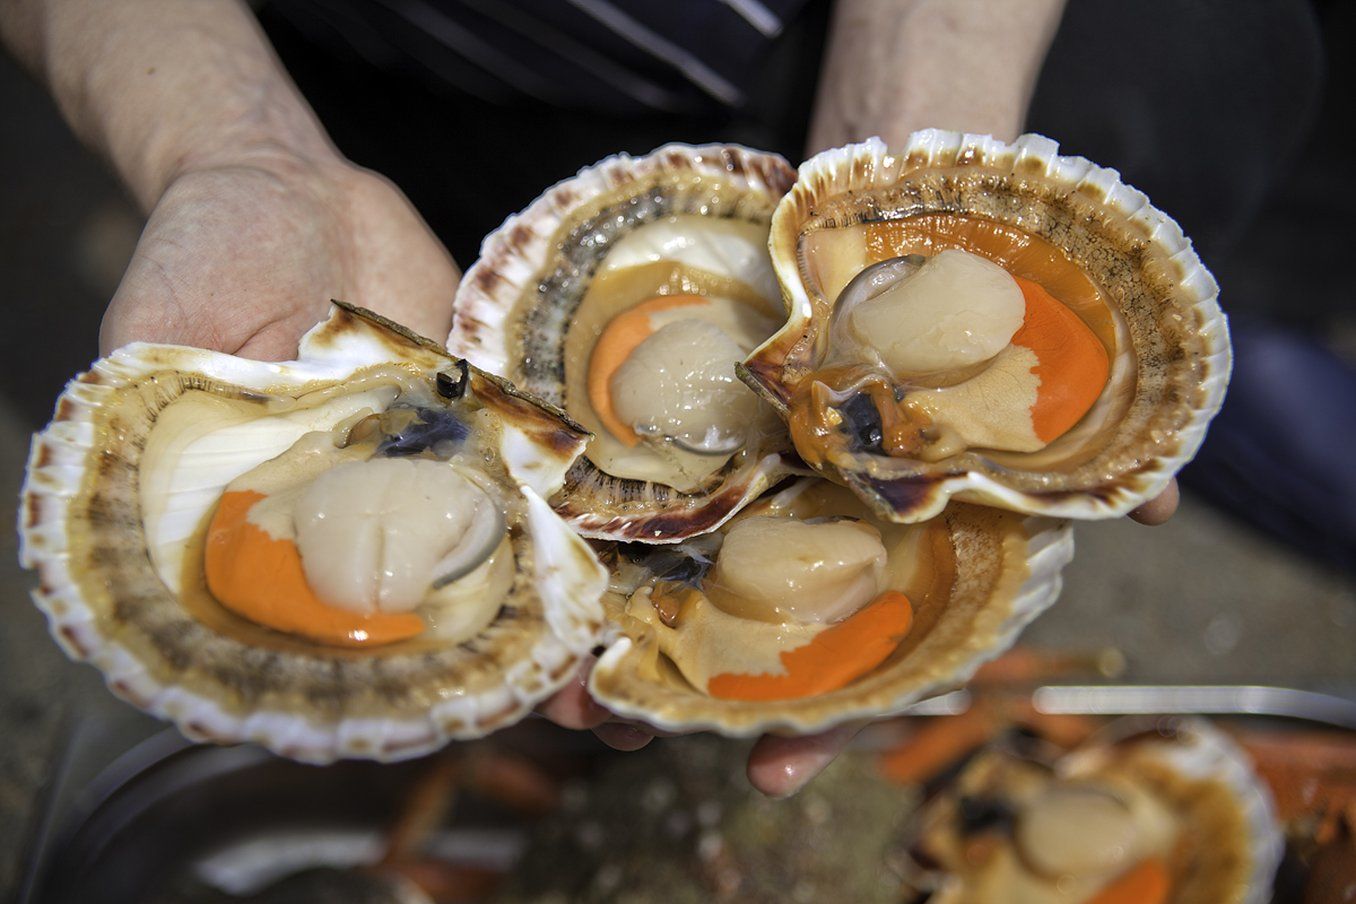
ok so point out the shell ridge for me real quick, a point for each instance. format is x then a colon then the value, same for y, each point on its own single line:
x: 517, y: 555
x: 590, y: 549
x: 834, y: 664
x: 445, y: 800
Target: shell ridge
x: 865, y: 167
x: 116, y: 633
x: 573, y: 612
x: 1046, y: 546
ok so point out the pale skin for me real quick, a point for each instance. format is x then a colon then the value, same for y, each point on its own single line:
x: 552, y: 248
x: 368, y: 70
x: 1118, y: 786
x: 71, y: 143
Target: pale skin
x: 255, y: 220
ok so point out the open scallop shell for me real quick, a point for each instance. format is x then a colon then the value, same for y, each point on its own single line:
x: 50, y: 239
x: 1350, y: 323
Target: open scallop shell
x: 1196, y: 770
x: 516, y: 304
x: 1006, y: 572
x: 220, y: 678
x: 1164, y: 301
x: 1199, y: 752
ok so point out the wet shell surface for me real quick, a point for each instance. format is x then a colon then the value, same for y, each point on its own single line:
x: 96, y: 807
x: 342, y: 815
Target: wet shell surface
x: 130, y: 485
x: 626, y: 296
x: 977, y: 397
x: 1166, y: 812
x: 746, y: 631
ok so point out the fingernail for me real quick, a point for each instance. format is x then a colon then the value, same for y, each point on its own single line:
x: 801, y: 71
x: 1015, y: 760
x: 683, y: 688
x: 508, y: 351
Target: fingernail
x: 622, y: 736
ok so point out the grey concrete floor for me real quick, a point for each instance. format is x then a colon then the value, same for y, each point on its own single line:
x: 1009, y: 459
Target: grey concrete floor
x: 1200, y: 599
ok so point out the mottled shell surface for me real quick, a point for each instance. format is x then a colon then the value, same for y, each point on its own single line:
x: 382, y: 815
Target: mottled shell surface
x: 1007, y: 571
x: 82, y: 531
x: 1135, y: 253
x: 515, y: 304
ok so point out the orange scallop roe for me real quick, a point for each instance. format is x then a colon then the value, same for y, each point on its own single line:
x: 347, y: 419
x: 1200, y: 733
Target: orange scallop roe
x: 261, y: 578
x: 837, y: 656
x: 618, y: 340
x: 1146, y: 883
x: 1061, y: 301
x: 1073, y: 365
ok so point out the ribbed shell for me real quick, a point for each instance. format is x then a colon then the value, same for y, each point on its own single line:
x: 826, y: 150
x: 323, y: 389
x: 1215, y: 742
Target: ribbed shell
x: 81, y: 531
x: 1007, y: 572
x: 1134, y: 252
x: 532, y: 274
x: 1196, y: 749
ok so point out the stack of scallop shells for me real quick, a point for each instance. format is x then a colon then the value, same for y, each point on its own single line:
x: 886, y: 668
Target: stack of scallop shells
x: 964, y: 344
x: 772, y: 451
x: 782, y: 450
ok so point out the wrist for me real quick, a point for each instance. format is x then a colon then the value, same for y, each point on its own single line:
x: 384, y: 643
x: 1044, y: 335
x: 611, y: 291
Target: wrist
x: 895, y: 66
x: 269, y: 128
x: 164, y: 88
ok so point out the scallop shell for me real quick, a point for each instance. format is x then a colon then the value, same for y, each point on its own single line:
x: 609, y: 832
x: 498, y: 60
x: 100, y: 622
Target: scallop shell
x: 1135, y: 253
x: 82, y: 531
x: 531, y: 277
x: 1008, y: 571
x: 1182, y: 758
x: 1195, y: 749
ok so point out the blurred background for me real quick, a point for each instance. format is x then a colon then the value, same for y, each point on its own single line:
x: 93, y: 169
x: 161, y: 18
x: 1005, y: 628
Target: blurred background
x: 1252, y: 582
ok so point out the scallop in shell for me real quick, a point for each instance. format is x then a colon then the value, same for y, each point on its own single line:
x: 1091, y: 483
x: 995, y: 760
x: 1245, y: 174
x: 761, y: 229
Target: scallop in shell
x: 805, y: 611
x: 345, y: 555
x: 991, y: 322
x: 626, y: 296
x: 1171, y: 813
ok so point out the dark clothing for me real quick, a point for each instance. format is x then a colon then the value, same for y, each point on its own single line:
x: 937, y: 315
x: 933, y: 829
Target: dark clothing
x: 1202, y: 105
x: 468, y: 159
x: 608, y: 56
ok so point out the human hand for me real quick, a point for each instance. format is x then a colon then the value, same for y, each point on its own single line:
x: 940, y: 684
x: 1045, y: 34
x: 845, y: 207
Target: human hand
x: 244, y: 256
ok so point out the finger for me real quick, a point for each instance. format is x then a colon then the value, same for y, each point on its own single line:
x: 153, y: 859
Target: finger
x: 623, y: 736
x: 572, y: 707
x: 1160, y: 508
x: 779, y: 767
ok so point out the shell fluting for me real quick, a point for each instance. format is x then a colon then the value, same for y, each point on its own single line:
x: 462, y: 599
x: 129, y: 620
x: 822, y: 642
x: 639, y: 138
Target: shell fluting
x: 1136, y: 254
x: 957, y: 553
x: 516, y: 304
x: 82, y: 532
